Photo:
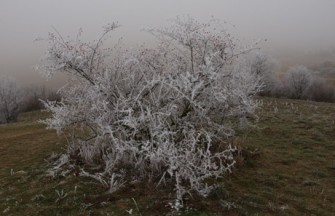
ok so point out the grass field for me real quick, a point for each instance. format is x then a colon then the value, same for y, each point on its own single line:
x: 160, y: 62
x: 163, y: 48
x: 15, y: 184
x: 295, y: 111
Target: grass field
x: 287, y: 167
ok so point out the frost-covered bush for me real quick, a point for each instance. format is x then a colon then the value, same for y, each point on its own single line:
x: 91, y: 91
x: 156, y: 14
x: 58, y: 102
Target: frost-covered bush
x: 266, y: 67
x: 162, y: 115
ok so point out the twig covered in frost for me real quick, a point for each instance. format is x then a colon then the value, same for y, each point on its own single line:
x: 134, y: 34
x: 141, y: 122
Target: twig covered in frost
x: 38, y: 197
x: 115, y: 184
x: 61, y: 195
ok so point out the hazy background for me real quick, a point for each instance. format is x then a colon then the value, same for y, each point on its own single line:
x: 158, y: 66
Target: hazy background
x: 296, y: 30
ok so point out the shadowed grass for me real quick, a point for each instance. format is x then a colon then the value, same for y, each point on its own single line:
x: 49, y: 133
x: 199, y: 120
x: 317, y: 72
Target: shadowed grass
x: 286, y: 167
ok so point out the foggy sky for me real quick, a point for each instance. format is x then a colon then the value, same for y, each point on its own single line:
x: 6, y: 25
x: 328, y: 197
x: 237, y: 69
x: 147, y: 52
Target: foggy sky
x: 288, y: 25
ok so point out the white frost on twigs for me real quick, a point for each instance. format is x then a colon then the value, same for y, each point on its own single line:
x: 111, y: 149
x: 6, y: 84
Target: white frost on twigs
x: 165, y: 114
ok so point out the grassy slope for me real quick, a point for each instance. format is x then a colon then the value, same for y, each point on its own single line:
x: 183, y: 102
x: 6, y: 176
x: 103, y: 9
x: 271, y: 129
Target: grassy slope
x: 287, y: 167
x: 295, y: 168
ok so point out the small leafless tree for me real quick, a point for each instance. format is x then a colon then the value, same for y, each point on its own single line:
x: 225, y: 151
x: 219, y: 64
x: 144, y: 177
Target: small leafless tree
x: 298, y: 80
x: 9, y: 100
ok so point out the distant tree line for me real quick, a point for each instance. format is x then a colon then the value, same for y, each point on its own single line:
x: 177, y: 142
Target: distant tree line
x: 298, y: 82
x: 14, y: 100
x: 33, y: 96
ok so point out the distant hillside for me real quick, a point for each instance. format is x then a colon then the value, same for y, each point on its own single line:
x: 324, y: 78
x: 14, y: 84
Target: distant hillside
x: 289, y: 58
x: 325, y: 69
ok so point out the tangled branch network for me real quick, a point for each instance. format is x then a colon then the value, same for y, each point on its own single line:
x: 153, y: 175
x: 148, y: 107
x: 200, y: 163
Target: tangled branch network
x: 162, y: 115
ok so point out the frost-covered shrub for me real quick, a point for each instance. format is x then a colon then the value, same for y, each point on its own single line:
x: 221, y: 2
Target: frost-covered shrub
x: 298, y: 79
x: 266, y: 68
x: 163, y: 114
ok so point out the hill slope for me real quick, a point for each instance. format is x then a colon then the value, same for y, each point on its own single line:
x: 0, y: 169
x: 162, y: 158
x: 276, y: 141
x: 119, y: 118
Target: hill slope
x: 286, y: 167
